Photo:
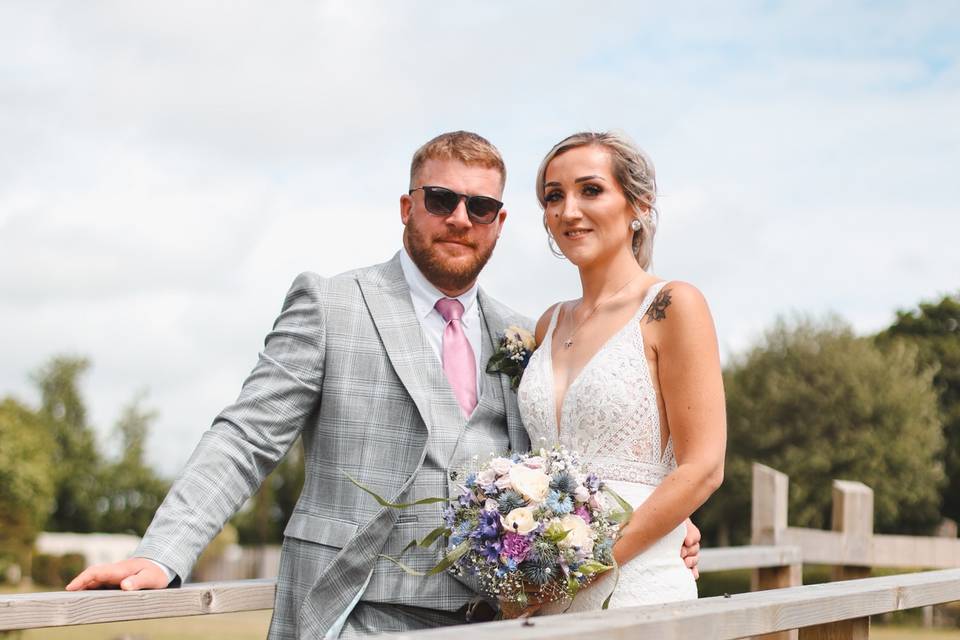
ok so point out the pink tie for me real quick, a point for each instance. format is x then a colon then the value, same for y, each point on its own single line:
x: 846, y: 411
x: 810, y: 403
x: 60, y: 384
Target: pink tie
x: 458, y: 361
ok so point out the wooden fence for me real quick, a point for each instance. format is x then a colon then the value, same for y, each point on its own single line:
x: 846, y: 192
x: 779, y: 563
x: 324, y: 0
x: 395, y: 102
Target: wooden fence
x: 778, y: 605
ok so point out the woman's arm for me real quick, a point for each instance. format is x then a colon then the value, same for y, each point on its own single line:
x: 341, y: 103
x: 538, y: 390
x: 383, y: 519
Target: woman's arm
x: 691, y: 385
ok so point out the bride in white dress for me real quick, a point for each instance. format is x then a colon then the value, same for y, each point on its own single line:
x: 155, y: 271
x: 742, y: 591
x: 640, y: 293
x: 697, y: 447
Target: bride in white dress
x: 629, y: 374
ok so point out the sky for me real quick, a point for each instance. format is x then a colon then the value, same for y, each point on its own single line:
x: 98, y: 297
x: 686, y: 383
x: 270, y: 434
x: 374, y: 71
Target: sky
x: 166, y: 169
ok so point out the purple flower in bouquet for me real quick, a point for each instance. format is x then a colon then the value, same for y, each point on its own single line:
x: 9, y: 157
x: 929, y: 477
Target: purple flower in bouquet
x: 584, y: 513
x: 491, y: 550
x: 489, y: 525
x: 592, y: 483
x: 449, y: 516
x: 516, y: 546
x: 491, y: 489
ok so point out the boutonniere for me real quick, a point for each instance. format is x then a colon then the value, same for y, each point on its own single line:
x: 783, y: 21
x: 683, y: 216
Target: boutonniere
x: 512, y: 355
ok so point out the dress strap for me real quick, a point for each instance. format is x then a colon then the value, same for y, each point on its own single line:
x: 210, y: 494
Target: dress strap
x: 553, y: 321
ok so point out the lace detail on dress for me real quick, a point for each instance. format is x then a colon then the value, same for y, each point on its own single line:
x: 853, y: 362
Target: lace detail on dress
x: 609, y: 413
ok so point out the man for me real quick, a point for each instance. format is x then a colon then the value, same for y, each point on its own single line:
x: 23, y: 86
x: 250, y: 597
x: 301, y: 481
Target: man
x: 382, y: 372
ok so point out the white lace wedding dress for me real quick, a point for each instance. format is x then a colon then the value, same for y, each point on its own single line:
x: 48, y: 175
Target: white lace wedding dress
x: 610, y: 416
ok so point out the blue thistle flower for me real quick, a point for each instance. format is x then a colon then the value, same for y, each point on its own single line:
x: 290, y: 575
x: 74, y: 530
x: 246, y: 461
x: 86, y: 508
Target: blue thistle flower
x: 559, y: 503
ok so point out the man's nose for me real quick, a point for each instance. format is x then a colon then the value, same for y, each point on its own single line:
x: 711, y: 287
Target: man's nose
x: 459, y: 217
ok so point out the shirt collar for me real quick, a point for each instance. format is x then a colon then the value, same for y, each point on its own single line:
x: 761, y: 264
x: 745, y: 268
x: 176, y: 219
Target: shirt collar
x: 425, y: 295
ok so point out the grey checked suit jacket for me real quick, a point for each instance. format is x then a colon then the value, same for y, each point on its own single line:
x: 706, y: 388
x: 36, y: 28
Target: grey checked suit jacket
x: 348, y: 367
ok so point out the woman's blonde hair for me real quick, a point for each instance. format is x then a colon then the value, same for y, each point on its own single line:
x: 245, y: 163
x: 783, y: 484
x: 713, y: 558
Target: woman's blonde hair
x: 633, y: 170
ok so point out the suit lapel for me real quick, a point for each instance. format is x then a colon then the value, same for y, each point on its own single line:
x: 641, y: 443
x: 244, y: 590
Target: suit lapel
x: 496, y: 325
x: 400, y: 332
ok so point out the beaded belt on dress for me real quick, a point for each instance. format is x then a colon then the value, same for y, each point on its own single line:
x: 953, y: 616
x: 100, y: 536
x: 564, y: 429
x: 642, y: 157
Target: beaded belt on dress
x: 618, y: 469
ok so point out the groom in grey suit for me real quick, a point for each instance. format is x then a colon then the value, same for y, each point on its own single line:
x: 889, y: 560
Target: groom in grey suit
x: 356, y: 365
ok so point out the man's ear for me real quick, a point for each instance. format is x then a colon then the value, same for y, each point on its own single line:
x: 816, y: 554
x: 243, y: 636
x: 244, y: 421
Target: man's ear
x: 406, y: 206
x: 502, y: 218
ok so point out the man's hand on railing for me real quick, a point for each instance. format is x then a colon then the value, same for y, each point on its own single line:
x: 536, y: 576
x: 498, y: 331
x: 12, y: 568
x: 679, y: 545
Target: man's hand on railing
x: 690, y: 552
x: 131, y: 575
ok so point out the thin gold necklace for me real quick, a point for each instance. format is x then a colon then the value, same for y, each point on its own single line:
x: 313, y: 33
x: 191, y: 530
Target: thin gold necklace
x: 569, y: 341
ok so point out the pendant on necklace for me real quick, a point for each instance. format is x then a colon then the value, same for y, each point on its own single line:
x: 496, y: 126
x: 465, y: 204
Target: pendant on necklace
x: 568, y: 343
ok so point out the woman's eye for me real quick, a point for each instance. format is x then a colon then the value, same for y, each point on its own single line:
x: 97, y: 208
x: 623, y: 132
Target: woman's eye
x: 591, y: 190
x: 553, y: 196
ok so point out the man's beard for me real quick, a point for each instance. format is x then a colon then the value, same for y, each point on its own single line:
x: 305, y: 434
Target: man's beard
x: 443, y: 275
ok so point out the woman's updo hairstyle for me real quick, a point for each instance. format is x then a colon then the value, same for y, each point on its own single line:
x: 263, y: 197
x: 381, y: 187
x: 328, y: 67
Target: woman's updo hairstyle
x: 632, y: 168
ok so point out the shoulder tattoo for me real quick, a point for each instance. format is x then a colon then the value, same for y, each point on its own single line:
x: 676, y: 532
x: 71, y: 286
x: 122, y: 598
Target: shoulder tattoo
x: 658, y: 308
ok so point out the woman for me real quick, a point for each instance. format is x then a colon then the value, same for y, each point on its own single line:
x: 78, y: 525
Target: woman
x: 629, y: 374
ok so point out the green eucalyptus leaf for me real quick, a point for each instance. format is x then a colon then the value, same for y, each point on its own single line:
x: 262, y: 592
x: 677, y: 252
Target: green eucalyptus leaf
x: 433, y: 536
x: 407, y: 569
x: 448, y: 560
x: 592, y: 567
x: 396, y: 505
x: 616, y: 581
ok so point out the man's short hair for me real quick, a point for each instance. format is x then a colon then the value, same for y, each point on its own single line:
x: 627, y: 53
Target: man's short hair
x: 469, y: 148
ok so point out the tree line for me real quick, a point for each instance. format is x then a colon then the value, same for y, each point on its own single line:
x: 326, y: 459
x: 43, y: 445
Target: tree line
x: 811, y: 399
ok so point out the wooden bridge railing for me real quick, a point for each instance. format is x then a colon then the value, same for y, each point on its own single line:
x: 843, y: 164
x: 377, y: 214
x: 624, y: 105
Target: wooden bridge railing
x: 777, y: 606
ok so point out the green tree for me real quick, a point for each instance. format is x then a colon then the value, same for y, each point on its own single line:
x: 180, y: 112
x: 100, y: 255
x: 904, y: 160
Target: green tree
x: 75, y: 457
x: 263, y: 518
x: 934, y: 328
x: 26, y: 488
x: 818, y: 403
x: 130, y: 491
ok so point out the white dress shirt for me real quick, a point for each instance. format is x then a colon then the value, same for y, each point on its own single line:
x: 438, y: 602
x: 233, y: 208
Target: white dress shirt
x: 425, y: 296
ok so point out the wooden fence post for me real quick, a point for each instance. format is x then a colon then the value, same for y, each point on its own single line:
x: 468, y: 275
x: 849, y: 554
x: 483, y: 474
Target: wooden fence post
x: 853, y: 517
x: 768, y: 524
x: 768, y: 512
x: 855, y: 629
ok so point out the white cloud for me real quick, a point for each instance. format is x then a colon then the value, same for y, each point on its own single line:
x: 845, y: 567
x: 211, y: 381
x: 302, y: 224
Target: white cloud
x: 167, y: 169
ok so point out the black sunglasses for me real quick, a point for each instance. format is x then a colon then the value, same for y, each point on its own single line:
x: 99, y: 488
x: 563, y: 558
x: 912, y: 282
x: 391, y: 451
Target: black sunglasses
x: 441, y: 201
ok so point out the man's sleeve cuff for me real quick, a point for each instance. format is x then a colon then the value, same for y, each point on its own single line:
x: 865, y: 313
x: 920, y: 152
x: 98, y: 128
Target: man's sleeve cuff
x: 171, y: 574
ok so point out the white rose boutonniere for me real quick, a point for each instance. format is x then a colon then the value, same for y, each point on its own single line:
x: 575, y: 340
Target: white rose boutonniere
x: 512, y: 354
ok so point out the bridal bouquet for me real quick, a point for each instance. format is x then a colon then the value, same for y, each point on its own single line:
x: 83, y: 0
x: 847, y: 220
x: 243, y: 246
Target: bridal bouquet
x: 531, y: 523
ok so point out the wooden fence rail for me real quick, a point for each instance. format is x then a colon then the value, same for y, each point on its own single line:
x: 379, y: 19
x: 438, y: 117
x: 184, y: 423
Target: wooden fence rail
x: 778, y: 606
x: 837, y: 610
x: 67, y: 608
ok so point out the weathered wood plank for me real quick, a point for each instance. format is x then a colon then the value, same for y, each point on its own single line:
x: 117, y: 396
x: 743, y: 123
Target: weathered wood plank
x: 853, y: 517
x: 62, y: 608
x: 913, y: 551
x: 740, y: 615
x: 856, y: 629
x: 817, y: 546
x: 747, y: 557
x: 768, y: 511
x: 777, y: 578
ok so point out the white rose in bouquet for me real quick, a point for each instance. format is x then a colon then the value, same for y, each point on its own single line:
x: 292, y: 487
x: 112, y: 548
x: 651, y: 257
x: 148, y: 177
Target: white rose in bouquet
x: 580, y: 535
x: 501, y: 465
x: 520, y: 520
x: 532, y: 484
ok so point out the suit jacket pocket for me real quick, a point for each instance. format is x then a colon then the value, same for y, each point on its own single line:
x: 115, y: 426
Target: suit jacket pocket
x: 313, y: 528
